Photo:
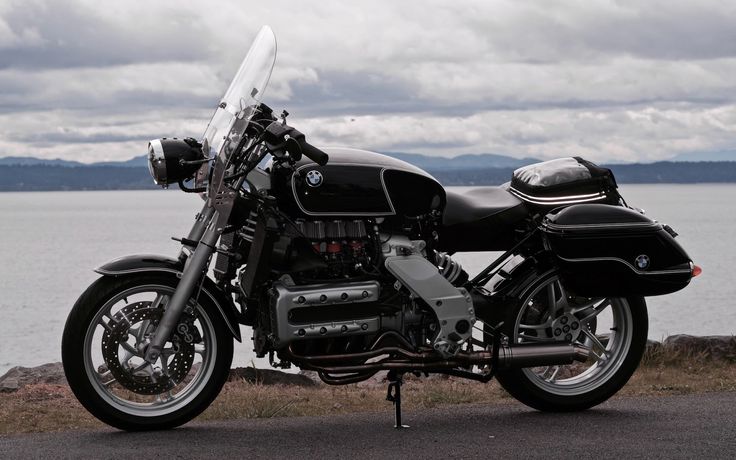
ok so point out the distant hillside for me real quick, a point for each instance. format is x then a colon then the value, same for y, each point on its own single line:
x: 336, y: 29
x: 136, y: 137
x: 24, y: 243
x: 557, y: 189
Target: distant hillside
x: 32, y: 175
x: 665, y: 172
x: 42, y: 177
x: 468, y: 161
x: 728, y: 155
x: 31, y: 161
x: 27, y: 161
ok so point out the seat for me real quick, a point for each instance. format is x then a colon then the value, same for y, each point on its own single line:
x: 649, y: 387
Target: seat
x: 477, y: 204
x: 480, y: 219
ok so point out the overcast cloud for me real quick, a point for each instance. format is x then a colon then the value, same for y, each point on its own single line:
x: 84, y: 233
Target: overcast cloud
x: 610, y: 80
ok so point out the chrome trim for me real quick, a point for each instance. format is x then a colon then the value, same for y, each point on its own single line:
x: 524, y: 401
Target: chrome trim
x: 360, y: 214
x: 554, y: 226
x: 157, y: 162
x: 571, y: 199
x: 588, y: 195
x: 128, y: 271
x: 634, y: 269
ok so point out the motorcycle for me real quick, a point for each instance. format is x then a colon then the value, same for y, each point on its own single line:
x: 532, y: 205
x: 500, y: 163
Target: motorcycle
x: 341, y: 262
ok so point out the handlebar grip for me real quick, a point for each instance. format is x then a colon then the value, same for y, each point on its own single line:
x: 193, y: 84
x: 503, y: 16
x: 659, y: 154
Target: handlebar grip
x: 307, y: 149
x: 313, y: 153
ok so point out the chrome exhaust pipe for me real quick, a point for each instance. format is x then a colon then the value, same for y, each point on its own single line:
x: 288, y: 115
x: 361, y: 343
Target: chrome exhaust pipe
x: 515, y: 356
x: 532, y: 355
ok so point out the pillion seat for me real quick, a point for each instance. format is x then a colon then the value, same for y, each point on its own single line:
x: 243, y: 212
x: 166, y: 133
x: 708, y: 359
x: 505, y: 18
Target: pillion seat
x: 480, y: 219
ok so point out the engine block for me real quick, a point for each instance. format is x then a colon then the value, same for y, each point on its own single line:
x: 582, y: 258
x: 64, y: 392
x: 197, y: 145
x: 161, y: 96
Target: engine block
x: 295, y: 311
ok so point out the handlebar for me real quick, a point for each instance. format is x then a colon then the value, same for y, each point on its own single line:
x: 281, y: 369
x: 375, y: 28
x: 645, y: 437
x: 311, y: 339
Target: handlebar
x: 280, y: 136
x: 308, y: 150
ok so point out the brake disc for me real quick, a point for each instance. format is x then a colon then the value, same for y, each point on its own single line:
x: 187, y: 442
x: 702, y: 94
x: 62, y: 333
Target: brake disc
x: 141, y: 378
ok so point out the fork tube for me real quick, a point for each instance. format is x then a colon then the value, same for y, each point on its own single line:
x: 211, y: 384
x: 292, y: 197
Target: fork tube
x: 194, y: 270
x: 197, y: 231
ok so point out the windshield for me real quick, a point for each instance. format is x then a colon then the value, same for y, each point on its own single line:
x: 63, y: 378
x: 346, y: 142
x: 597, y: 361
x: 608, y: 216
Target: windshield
x: 244, y: 93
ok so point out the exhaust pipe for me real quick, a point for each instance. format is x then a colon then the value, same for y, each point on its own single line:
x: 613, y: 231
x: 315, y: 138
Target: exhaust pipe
x: 515, y: 356
x: 532, y: 355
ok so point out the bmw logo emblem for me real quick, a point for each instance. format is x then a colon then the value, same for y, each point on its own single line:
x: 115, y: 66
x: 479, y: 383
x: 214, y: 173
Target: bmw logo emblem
x: 314, y: 178
x: 642, y: 261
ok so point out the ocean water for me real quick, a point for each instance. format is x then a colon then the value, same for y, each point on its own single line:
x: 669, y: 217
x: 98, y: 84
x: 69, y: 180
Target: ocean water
x: 51, y: 241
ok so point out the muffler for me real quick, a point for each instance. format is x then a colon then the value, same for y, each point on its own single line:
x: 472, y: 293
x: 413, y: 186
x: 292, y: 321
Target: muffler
x: 532, y: 355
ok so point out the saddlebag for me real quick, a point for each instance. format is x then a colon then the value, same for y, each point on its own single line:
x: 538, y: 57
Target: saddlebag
x: 605, y: 250
x: 564, y: 181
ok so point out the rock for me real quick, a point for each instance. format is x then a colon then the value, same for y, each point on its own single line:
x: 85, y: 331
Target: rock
x: 269, y: 377
x: 18, y: 377
x: 311, y: 375
x: 721, y: 347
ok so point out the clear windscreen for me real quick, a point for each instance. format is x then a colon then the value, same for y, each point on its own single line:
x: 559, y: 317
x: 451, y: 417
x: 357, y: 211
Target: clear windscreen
x: 245, y: 92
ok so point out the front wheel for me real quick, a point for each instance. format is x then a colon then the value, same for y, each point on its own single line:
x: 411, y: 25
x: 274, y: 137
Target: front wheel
x: 614, y: 330
x: 104, y: 342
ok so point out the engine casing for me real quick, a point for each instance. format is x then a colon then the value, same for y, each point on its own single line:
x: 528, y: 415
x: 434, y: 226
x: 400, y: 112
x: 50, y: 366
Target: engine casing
x: 323, y: 311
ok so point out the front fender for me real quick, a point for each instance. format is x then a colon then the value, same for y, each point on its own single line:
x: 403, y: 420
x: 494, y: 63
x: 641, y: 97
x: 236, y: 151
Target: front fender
x: 155, y: 263
x: 140, y: 263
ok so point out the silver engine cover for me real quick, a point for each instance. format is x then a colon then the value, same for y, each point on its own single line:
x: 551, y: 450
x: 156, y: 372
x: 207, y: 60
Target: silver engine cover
x: 285, y: 299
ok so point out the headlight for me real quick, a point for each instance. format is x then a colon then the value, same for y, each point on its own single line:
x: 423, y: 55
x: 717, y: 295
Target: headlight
x: 168, y: 160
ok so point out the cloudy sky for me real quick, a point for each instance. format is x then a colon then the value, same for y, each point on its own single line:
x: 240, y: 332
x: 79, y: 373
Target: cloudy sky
x: 94, y: 80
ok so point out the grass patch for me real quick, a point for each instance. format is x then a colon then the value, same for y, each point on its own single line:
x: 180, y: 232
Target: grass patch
x: 40, y: 408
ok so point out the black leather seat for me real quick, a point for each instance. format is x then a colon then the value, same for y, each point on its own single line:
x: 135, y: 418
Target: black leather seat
x: 480, y: 219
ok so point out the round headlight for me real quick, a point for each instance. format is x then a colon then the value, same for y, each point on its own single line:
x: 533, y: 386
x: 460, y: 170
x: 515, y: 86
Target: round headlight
x: 168, y: 160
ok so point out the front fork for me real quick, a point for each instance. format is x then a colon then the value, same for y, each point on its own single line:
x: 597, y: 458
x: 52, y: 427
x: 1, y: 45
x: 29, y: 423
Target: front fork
x: 206, y: 230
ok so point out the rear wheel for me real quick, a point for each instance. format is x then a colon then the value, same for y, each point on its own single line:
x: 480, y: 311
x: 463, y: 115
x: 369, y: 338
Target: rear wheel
x: 104, y: 343
x: 614, y: 330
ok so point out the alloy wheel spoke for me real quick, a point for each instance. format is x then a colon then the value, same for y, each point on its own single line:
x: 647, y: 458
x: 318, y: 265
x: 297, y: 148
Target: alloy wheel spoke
x: 562, y: 302
x: 585, y: 306
x: 596, y: 342
x: 533, y: 338
x: 133, y: 351
x: 163, y: 398
x: 144, y: 366
x: 165, y: 364
x: 557, y: 299
x: 552, y: 377
x: 595, y: 311
x: 159, y: 300
x: 140, y: 333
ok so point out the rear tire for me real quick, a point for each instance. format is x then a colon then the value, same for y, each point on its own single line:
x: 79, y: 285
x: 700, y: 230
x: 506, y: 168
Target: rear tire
x: 103, y: 336
x: 615, y: 330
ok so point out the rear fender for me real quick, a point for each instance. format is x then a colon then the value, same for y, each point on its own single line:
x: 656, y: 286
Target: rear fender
x: 154, y: 263
x: 515, y: 275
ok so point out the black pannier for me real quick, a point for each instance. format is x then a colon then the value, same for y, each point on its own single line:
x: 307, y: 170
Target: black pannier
x: 564, y: 181
x: 614, y: 251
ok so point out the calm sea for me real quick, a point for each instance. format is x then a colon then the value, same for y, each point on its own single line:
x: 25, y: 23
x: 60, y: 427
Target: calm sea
x: 52, y: 241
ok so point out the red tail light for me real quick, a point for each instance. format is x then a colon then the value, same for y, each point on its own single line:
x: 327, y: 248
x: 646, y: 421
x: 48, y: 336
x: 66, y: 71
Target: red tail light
x: 696, y: 270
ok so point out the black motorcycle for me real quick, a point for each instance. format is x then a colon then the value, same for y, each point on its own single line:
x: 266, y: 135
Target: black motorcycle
x: 340, y: 261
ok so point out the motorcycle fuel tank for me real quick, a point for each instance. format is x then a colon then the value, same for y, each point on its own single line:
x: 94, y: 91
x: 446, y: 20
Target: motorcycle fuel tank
x: 360, y: 183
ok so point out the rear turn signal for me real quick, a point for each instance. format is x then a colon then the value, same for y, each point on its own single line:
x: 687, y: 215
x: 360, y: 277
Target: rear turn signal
x: 696, y: 270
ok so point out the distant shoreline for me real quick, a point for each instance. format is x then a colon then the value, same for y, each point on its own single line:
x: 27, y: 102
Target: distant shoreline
x: 175, y: 188
x: 44, y: 177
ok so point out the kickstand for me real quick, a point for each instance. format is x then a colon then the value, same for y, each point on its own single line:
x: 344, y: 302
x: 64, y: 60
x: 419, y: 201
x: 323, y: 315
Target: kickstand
x: 394, y: 395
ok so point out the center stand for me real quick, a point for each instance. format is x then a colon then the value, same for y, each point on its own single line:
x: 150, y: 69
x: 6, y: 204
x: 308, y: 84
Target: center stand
x: 394, y: 395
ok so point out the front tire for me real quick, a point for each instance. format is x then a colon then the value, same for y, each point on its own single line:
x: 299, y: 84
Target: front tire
x: 613, y: 329
x: 104, y: 342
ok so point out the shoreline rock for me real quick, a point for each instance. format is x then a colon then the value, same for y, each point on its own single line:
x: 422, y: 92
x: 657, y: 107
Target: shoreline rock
x: 707, y: 347
x: 19, y: 376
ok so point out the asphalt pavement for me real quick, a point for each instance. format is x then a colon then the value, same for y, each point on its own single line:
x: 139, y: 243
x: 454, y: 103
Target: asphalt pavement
x: 691, y: 426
